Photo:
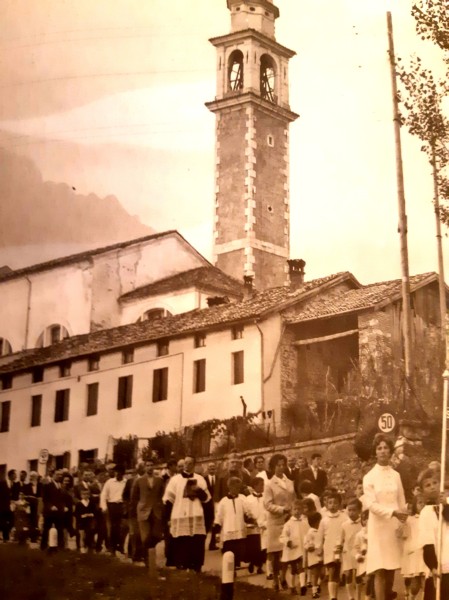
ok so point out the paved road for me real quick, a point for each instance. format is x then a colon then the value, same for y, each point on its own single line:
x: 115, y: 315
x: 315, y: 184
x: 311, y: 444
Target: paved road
x: 212, y: 565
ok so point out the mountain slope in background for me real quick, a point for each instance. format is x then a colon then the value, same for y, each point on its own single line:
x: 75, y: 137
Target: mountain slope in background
x: 41, y: 220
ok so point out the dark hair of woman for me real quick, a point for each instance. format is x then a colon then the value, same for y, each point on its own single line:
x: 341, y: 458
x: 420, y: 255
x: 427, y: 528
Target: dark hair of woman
x: 275, y: 459
x: 382, y: 437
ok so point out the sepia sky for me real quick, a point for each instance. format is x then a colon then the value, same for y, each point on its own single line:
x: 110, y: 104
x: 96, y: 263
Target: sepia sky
x: 108, y: 96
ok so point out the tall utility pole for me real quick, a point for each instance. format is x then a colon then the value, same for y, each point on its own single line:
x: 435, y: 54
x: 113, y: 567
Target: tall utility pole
x: 441, y: 283
x: 406, y: 307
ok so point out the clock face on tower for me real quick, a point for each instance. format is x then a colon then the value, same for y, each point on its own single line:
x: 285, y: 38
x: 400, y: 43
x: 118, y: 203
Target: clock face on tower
x: 235, y: 71
x: 267, y: 78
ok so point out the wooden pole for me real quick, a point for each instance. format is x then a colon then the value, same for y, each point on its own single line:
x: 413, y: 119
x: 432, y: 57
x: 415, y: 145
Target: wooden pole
x: 441, y: 284
x: 402, y: 228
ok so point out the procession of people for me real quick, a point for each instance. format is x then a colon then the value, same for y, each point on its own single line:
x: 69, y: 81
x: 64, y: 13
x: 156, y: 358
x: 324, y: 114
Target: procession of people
x: 280, y: 518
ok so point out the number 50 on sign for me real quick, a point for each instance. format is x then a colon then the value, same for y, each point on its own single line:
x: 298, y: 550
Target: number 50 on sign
x: 386, y: 422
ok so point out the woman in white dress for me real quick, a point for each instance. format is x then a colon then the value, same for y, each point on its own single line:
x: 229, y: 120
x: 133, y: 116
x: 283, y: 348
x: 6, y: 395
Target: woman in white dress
x: 278, y: 498
x: 385, y: 500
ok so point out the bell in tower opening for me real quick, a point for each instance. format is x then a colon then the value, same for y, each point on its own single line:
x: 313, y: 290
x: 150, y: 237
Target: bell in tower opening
x: 252, y: 216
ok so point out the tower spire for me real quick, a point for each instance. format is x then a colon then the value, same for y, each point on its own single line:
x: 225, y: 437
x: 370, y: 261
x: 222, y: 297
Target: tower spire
x: 252, y: 218
x: 253, y: 14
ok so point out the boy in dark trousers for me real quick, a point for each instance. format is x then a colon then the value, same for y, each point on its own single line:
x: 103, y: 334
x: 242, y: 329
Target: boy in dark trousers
x: 22, y: 519
x: 85, y: 512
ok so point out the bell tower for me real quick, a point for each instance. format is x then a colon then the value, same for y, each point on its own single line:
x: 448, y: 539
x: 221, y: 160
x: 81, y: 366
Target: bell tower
x: 252, y: 217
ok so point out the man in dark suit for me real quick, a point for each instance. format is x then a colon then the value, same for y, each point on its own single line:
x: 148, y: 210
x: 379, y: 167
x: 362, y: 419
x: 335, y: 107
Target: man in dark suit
x: 33, y: 493
x: 19, y: 486
x: 234, y: 470
x: 53, y: 508
x: 209, y: 507
x: 147, y: 495
x: 315, y: 474
x: 84, y: 483
x: 291, y: 471
x: 135, y: 551
x: 6, y: 496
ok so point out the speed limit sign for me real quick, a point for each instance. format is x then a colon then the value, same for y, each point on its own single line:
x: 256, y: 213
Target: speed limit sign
x: 386, y: 422
x: 43, y: 456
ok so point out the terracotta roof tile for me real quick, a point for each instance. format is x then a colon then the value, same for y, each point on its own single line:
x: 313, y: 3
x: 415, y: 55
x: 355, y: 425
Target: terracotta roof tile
x: 354, y: 300
x: 175, y: 325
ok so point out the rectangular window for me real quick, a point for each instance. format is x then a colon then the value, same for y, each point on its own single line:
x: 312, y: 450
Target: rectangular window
x: 37, y: 375
x: 125, y: 392
x: 87, y: 456
x: 5, y: 410
x: 61, y: 461
x: 36, y: 410
x: 200, y: 340
x: 32, y: 465
x: 93, y: 363
x: 237, y: 367
x: 64, y: 369
x: 199, y: 376
x: 162, y: 348
x: 55, y: 334
x: 128, y: 356
x: 6, y: 382
x: 62, y: 405
x: 92, y: 399
x: 237, y: 332
x: 160, y: 384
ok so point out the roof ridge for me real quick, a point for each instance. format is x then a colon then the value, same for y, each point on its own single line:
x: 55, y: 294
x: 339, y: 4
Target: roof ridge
x: 87, y: 253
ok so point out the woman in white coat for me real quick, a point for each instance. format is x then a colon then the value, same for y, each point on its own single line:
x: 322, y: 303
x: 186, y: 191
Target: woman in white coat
x: 385, y: 500
x: 278, y: 498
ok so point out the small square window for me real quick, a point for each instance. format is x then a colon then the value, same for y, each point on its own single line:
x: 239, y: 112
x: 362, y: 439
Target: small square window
x: 64, y: 369
x: 162, y: 348
x: 125, y: 392
x: 36, y: 410
x: 93, y: 363
x: 6, y: 382
x: 5, y: 410
x: 37, y: 375
x: 128, y: 356
x: 237, y: 332
x: 200, y: 340
x: 92, y: 399
x: 160, y: 384
x: 237, y: 368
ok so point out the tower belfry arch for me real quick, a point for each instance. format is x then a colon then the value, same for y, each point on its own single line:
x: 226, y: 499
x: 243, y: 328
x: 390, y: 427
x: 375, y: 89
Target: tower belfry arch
x: 252, y: 206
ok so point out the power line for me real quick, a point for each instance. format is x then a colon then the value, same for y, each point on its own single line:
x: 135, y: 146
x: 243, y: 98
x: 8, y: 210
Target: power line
x: 85, y: 30
x: 91, y: 75
x: 101, y: 136
x: 90, y: 39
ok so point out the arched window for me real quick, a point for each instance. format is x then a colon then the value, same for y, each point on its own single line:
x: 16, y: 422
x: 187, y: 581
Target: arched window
x: 153, y: 313
x: 235, y: 71
x: 52, y: 335
x: 5, y: 347
x: 267, y: 78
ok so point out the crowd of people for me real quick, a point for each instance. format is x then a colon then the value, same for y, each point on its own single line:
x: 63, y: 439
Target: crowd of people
x: 281, y: 518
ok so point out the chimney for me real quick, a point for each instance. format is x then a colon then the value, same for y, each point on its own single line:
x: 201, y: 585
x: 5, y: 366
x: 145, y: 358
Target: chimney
x: 248, y: 287
x: 296, y: 272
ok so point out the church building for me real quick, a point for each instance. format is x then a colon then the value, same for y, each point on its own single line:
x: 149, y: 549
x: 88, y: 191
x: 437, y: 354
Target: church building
x: 148, y: 336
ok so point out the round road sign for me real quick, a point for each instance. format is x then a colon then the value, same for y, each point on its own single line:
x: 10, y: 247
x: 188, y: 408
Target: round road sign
x: 386, y: 422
